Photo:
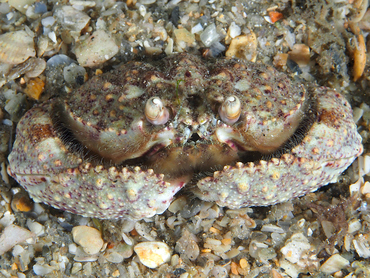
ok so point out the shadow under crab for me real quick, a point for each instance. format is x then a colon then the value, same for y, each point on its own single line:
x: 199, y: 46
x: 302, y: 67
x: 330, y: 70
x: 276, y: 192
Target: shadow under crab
x: 125, y: 142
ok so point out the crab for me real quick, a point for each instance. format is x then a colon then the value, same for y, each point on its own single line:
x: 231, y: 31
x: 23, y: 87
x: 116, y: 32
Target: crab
x: 234, y: 132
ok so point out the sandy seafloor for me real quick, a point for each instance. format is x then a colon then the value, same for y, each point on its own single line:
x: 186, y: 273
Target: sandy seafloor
x: 323, y: 234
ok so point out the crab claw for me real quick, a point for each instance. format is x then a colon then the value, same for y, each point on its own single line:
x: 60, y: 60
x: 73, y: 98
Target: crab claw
x: 329, y: 147
x: 57, y: 177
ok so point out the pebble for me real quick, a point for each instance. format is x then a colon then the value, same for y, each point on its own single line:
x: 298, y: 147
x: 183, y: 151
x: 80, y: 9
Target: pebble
x: 177, y: 204
x: 153, y: 253
x: 88, y: 238
x: 295, y: 247
x: 35, y: 227
x: 243, y: 47
x: 21, y: 202
x: 272, y: 228
x: 118, y: 252
x: 96, y: 49
x: 74, y: 74
x: 354, y: 226
x: 197, y: 28
x: 233, y: 31
x: 7, y: 219
x: 76, y: 268
x: 42, y: 269
x: 183, y: 35
x: 40, y: 8
x: 335, y: 263
x: 187, y: 246
x: 209, y: 36
x: 362, y: 245
x: 280, y: 60
x: 21, y: 5
x: 72, y: 20
x: 300, y: 54
x: 82, y: 256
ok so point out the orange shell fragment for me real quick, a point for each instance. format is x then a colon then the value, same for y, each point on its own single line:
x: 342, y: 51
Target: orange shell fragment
x: 275, y: 16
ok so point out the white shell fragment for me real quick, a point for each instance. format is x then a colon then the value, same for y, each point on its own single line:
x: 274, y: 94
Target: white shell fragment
x: 88, y: 238
x: 297, y: 245
x: 272, y: 229
x: 72, y: 19
x: 152, y: 253
x: 42, y: 269
x: 16, y: 47
x: 362, y: 246
x: 234, y: 30
x: 335, y: 263
x: 33, y: 67
x: 96, y: 49
x: 13, y: 235
x: 21, y: 5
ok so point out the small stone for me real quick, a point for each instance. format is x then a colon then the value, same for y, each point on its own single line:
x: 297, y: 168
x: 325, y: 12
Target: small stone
x: 295, y: 247
x: 272, y: 229
x: 42, y: 269
x: 365, y: 188
x: 153, y: 253
x: 72, y: 19
x: 35, y: 227
x: 362, y: 245
x: 243, y: 47
x: 234, y: 30
x: 300, y: 54
x: 188, y: 246
x: 209, y: 36
x: 328, y: 228
x: 280, y: 60
x: 177, y: 204
x: 21, y: 5
x: 354, y: 226
x: 74, y: 74
x: 88, y: 238
x: 185, y: 36
x: 21, y: 202
x: 118, y: 253
x: 335, y: 263
x: 76, y: 268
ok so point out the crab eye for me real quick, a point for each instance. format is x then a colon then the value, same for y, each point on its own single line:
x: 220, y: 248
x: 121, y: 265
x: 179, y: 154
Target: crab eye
x: 230, y: 110
x: 155, y: 112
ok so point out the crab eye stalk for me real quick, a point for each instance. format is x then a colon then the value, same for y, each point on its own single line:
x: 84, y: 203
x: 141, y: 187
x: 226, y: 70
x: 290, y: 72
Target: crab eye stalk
x: 230, y: 110
x: 155, y: 112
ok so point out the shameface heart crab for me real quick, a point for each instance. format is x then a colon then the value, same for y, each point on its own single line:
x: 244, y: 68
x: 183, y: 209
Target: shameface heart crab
x: 241, y: 134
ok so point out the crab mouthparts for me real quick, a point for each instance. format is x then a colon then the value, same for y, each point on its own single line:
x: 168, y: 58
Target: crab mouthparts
x: 196, y: 155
